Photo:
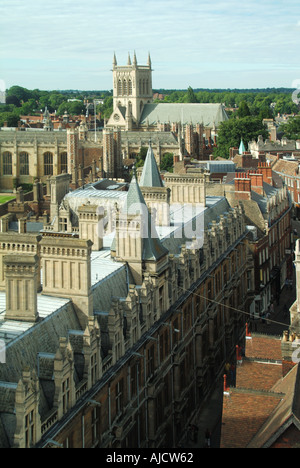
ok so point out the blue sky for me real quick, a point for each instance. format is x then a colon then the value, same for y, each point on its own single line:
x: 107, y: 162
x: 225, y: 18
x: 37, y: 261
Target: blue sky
x: 69, y: 44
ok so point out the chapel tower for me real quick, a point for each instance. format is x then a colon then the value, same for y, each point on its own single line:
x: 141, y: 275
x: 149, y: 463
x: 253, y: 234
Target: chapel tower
x: 132, y: 88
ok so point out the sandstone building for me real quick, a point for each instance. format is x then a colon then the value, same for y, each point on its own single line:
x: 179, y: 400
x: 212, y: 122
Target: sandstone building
x: 181, y: 129
x: 268, y: 209
x: 118, y: 342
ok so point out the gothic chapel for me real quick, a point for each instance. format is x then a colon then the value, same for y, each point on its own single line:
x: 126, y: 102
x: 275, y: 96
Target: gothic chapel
x: 132, y: 89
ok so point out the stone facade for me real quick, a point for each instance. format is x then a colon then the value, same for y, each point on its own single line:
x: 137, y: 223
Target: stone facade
x: 118, y: 343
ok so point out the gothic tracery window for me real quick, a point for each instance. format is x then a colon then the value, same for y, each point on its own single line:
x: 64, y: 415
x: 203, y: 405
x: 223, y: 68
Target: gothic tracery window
x: 63, y: 162
x: 125, y: 87
x: 48, y: 163
x: 24, y: 163
x: 119, y: 87
x: 129, y: 87
x: 7, y: 163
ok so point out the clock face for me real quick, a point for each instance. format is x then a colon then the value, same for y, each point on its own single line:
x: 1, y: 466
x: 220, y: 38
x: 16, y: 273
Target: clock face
x: 116, y: 117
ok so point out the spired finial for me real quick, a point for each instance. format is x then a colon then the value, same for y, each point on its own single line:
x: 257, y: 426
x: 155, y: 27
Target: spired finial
x: 134, y: 59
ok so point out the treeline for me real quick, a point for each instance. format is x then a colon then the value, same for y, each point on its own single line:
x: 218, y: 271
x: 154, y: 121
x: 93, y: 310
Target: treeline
x: 22, y: 101
x: 262, y: 103
x: 265, y: 103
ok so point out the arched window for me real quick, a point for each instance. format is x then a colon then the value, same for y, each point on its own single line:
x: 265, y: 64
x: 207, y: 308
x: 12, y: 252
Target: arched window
x: 125, y: 87
x: 24, y: 163
x: 7, y: 163
x: 119, y: 87
x: 129, y: 87
x: 63, y: 162
x: 48, y: 163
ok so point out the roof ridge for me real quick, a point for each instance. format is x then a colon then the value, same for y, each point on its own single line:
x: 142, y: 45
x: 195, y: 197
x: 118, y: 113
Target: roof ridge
x: 255, y: 391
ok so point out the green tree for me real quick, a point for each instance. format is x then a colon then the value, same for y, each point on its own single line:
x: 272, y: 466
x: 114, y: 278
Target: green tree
x: 11, y: 118
x: 73, y: 108
x: 243, y: 110
x: 28, y: 108
x: 167, y: 162
x: 140, y: 160
x: 291, y: 129
x: 232, y: 131
x: 12, y: 99
x: 190, y: 96
x: 55, y: 100
x: 22, y: 94
x: 106, y: 108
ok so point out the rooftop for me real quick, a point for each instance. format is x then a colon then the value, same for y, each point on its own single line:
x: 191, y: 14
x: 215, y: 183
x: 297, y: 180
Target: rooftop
x: 208, y: 114
x: 262, y: 401
x: 150, y: 175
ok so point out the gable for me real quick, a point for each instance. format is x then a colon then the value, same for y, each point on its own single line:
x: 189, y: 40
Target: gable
x: 117, y: 118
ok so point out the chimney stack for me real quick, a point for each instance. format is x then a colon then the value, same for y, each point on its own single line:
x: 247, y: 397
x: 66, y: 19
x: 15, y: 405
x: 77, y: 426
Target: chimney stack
x: 242, y: 186
x: 266, y: 170
x: 21, y: 279
x: 257, y: 182
x: 91, y: 224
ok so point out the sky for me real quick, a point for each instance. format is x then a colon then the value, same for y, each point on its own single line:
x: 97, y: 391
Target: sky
x: 69, y: 44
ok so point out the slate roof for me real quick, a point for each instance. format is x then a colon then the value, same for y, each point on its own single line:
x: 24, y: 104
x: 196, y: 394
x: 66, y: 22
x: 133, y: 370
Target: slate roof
x: 208, y: 114
x: 135, y: 204
x: 150, y: 176
x: 30, y: 136
x: 217, y: 166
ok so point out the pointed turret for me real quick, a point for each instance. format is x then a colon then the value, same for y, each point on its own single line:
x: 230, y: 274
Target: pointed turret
x: 150, y: 175
x: 129, y: 59
x: 136, y: 240
x: 149, y: 61
x: 134, y: 59
x: 114, y: 60
x: 134, y: 197
x: 242, y: 148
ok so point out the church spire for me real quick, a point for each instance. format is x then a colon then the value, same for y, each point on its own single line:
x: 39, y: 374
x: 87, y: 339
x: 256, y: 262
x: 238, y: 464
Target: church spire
x: 129, y: 59
x: 149, y: 60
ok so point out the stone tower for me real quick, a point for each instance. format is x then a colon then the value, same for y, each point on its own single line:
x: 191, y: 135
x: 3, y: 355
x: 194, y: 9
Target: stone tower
x: 136, y: 241
x: 112, y: 153
x: 132, y: 89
